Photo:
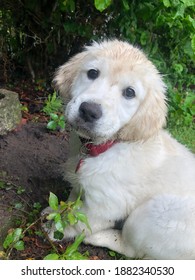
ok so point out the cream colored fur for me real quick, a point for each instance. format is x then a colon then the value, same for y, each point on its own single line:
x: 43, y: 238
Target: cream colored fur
x: 147, y: 179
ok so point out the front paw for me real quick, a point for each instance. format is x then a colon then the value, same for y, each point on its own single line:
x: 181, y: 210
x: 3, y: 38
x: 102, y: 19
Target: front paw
x: 54, y: 229
x: 48, y: 226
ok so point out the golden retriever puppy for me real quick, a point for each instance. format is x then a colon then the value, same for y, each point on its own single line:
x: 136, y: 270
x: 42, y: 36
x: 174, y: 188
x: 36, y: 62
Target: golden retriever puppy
x: 132, y: 173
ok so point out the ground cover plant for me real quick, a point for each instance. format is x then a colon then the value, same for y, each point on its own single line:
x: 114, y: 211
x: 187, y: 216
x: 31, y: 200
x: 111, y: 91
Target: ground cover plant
x: 62, y: 214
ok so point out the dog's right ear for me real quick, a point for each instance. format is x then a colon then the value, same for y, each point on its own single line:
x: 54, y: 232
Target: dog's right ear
x: 66, y: 74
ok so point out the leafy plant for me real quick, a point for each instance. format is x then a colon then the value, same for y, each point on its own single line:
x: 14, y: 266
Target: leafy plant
x: 24, y: 108
x: 64, y: 214
x: 13, y: 240
x: 71, y: 252
x: 53, y: 108
x: 15, y: 236
x: 56, y: 122
x: 53, y: 104
x: 182, y: 108
x: 181, y: 118
x: 101, y: 5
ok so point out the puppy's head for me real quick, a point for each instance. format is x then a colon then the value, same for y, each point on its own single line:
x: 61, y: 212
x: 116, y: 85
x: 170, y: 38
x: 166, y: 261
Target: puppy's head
x: 112, y: 91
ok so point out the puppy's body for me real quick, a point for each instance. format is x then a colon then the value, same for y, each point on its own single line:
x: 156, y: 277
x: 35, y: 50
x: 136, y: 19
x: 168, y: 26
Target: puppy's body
x: 146, y: 178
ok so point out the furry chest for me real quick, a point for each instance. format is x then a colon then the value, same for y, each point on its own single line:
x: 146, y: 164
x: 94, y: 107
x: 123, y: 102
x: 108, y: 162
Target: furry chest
x: 106, y: 187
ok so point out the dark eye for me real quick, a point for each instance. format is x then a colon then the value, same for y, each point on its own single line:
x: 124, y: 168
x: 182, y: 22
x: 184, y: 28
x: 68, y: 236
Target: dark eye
x: 93, y: 74
x: 129, y: 93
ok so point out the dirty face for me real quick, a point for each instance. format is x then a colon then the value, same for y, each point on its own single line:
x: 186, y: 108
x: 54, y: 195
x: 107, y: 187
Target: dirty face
x: 109, y: 86
x: 105, y: 96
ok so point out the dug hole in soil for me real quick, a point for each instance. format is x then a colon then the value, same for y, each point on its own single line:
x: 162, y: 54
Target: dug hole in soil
x: 30, y: 167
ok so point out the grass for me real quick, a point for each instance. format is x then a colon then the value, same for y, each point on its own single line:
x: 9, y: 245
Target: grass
x: 185, y: 136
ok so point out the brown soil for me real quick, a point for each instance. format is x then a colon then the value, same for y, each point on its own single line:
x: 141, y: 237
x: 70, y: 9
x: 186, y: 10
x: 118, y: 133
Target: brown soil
x: 30, y: 159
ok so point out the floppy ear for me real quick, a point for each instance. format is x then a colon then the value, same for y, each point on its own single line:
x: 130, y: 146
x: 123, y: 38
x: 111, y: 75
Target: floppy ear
x: 65, y: 75
x: 149, y: 118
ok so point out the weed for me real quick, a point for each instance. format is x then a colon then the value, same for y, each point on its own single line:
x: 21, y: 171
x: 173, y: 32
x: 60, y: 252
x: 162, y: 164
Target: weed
x: 53, y: 104
x: 64, y: 214
x: 56, y: 122
x: 13, y: 240
x: 182, y: 108
x: 71, y: 252
x: 181, y: 118
x: 53, y: 108
x: 24, y: 108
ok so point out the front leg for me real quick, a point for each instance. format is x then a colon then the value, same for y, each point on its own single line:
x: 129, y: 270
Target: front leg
x: 112, y: 239
x: 96, y: 225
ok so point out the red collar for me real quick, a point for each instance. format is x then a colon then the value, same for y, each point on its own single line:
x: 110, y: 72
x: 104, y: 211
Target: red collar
x: 95, y: 150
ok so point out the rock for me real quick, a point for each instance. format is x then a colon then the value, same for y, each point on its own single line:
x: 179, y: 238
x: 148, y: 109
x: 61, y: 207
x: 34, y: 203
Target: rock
x: 10, y: 111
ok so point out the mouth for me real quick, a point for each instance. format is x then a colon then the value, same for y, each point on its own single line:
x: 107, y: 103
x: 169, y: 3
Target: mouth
x: 83, y: 129
x: 86, y: 132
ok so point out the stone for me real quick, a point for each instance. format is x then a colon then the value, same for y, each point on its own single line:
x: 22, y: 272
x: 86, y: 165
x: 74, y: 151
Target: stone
x: 10, y: 111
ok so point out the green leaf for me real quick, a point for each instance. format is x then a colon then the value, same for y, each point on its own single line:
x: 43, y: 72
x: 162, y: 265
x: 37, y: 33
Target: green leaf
x: 178, y: 68
x: 58, y: 235
x: 187, y: 48
x: 188, y: 3
x: 52, y: 125
x: 57, y: 218
x: 76, y: 256
x: 19, y: 245
x: 53, y: 116
x: 51, y: 216
x: 18, y: 205
x: 72, y: 6
x: 62, y: 124
x: 167, y: 3
x: 112, y: 253
x: 63, y: 205
x: 8, y: 240
x: 179, y: 12
x: 193, y: 43
x: 53, y: 201
x: 74, y: 247
x: 37, y: 205
x: 101, y: 5
x: 2, y: 184
x: 17, y: 234
x: 12, y: 237
x: 83, y: 218
x: 59, y: 226
x: 72, y: 219
x: 78, y: 203
x: 144, y: 38
x: 62, y: 118
x: 20, y: 190
x: 190, y: 20
x: 53, y: 257
x: 126, y: 5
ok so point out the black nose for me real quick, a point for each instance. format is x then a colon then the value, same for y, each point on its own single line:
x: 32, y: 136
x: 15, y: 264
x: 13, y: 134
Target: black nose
x: 90, y: 112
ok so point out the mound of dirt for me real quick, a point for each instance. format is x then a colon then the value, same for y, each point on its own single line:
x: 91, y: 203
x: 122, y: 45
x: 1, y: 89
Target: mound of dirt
x: 30, y: 162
